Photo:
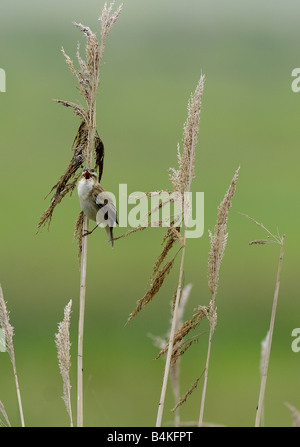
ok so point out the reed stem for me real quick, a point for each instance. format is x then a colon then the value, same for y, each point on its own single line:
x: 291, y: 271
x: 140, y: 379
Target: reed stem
x: 269, y: 344
x: 171, y: 341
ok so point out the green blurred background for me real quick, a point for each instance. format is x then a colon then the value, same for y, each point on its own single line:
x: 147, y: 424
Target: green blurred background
x: 154, y: 56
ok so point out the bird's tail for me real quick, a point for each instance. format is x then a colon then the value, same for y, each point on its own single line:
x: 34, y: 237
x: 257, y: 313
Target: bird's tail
x: 109, y: 232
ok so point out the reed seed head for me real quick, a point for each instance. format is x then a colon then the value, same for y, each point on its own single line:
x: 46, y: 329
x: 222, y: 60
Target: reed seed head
x: 218, y: 239
x: 62, y: 341
x: 182, y: 177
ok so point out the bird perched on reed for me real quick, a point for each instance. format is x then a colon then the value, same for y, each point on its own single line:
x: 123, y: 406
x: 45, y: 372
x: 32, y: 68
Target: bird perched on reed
x: 96, y: 203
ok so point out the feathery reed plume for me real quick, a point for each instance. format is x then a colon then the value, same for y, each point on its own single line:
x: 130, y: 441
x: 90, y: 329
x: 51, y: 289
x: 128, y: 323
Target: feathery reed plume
x: 295, y: 414
x: 183, y: 330
x: 87, y: 138
x: 3, y: 412
x: 218, y: 242
x: 280, y: 240
x: 62, y: 341
x: 182, y: 177
x: 181, y: 180
x: 86, y: 147
x: 158, y: 281
x: 9, y: 333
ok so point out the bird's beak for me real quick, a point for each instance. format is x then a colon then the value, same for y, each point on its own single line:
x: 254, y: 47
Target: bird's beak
x: 87, y: 175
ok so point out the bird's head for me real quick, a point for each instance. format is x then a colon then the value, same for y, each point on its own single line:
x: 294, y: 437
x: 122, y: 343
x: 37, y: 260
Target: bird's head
x: 90, y: 175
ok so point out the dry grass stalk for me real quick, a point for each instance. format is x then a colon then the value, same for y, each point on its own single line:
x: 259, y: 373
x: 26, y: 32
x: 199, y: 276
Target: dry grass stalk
x: 3, y: 412
x: 295, y: 414
x: 280, y: 240
x: 89, y: 82
x: 161, y: 344
x: 181, y: 180
x: 9, y: 333
x: 128, y: 233
x: 62, y: 341
x: 272, y: 238
x: 218, y: 242
x: 86, y: 147
x: 175, y: 366
x: 269, y: 342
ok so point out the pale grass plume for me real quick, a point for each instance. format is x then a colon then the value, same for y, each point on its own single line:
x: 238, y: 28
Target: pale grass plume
x: 295, y: 414
x: 218, y: 239
x: 3, y: 412
x: 62, y: 341
x: 264, y: 353
x: 182, y: 177
x: 9, y: 333
x: 107, y: 19
x: 263, y: 359
x: 7, y: 328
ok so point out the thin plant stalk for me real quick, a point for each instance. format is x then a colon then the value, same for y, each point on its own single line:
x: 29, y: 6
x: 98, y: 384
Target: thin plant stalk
x: 86, y: 144
x: 269, y: 344
x: 182, y: 179
x: 83, y: 270
x: 211, y: 331
x: 18, y: 390
x: 171, y: 342
x: 83, y: 265
x: 218, y: 242
x: 107, y: 20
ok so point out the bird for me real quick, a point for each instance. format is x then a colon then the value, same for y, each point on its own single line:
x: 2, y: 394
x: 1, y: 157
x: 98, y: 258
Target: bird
x: 96, y: 203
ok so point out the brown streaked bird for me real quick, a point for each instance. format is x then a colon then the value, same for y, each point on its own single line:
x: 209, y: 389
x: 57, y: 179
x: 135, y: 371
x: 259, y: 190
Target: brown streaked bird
x: 96, y: 203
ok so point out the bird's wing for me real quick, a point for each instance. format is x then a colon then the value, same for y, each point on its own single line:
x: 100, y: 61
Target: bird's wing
x: 107, y: 213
